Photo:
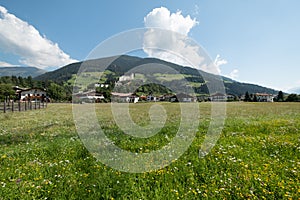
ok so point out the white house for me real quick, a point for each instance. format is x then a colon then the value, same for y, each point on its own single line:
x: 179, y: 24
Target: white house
x: 218, y: 97
x: 89, y: 96
x: 124, y: 97
x: 263, y: 97
x: 127, y: 77
x: 101, y: 85
x: 32, y: 94
x: 182, y: 97
x: 151, y: 98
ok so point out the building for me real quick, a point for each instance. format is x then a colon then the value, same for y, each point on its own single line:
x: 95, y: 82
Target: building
x: 182, y: 97
x: 151, y: 98
x: 31, y: 94
x: 124, y: 97
x: 102, y: 85
x: 127, y: 77
x: 218, y: 97
x: 89, y: 96
x: 263, y: 97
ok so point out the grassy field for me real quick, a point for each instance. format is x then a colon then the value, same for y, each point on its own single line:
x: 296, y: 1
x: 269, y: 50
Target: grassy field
x: 256, y: 157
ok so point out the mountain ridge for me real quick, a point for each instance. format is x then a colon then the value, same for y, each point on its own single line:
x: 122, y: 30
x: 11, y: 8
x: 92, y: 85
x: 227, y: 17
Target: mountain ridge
x: 122, y: 64
x: 21, y: 71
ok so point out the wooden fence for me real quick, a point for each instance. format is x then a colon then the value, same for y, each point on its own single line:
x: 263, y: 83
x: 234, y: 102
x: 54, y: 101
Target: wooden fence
x: 18, y: 106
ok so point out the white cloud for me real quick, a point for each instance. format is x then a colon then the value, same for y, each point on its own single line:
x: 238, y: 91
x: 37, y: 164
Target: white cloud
x: 219, y: 62
x: 234, y: 74
x: 172, y: 45
x: 164, y: 19
x: 22, y: 39
x: 5, y: 64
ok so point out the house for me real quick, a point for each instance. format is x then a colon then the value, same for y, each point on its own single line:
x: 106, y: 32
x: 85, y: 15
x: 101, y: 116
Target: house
x: 143, y: 98
x: 151, y: 98
x: 124, y: 97
x: 89, y: 96
x: 127, y: 77
x: 31, y: 94
x: 102, y: 85
x: 218, y: 97
x: 182, y: 97
x: 263, y: 97
x: 231, y: 97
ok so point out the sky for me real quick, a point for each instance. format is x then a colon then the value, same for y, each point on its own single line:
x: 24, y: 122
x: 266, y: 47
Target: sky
x: 250, y: 41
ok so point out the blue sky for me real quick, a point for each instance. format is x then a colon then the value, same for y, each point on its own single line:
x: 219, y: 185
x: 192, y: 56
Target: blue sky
x: 252, y: 41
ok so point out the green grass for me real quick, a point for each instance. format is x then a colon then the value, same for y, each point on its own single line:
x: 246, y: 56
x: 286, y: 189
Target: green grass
x: 85, y: 79
x: 256, y: 157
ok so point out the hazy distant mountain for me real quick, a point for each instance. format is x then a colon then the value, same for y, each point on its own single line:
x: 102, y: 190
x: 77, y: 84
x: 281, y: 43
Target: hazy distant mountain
x: 295, y: 90
x: 124, y: 63
x: 21, y: 71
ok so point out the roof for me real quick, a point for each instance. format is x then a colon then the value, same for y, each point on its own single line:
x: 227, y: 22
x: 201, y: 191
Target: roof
x: 263, y: 94
x: 183, y: 95
x: 28, y: 89
x: 218, y: 94
x: 121, y: 94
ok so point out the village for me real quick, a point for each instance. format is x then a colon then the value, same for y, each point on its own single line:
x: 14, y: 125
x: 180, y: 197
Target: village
x: 21, y: 98
x: 92, y: 95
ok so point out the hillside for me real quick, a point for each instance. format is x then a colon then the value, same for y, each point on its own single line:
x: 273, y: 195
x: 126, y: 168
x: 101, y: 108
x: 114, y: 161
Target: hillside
x: 21, y: 71
x: 125, y: 63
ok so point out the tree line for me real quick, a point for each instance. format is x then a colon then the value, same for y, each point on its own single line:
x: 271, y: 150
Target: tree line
x: 62, y: 91
x: 279, y: 98
x: 56, y: 91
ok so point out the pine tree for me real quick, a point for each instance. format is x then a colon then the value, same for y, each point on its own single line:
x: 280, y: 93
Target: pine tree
x: 280, y: 97
x: 247, y: 97
x: 255, y: 98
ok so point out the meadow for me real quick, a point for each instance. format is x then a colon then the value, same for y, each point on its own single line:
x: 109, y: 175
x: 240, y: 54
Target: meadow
x: 256, y: 157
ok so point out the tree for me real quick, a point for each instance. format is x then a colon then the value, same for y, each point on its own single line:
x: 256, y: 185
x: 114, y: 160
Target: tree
x: 6, y: 91
x: 56, y: 92
x: 293, y: 98
x: 106, y: 92
x: 30, y: 82
x: 247, y: 97
x: 255, y: 98
x: 280, y: 97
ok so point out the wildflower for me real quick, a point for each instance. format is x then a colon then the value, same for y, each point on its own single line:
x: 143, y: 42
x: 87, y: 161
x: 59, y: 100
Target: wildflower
x: 18, y: 180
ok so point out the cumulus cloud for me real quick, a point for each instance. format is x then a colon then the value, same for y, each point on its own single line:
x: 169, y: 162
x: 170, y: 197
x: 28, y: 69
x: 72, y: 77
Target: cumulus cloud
x: 164, y: 19
x: 22, y: 39
x: 172, y: 45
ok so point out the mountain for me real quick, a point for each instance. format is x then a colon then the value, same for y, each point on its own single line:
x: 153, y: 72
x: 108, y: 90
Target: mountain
x: 119, y: 65
x: 21, y: 71
x: 295, y: 90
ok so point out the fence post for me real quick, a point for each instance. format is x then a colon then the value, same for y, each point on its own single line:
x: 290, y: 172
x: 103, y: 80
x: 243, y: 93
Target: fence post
x: 4, y: 106
x: 12, y: 105
x: 19, y: 105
